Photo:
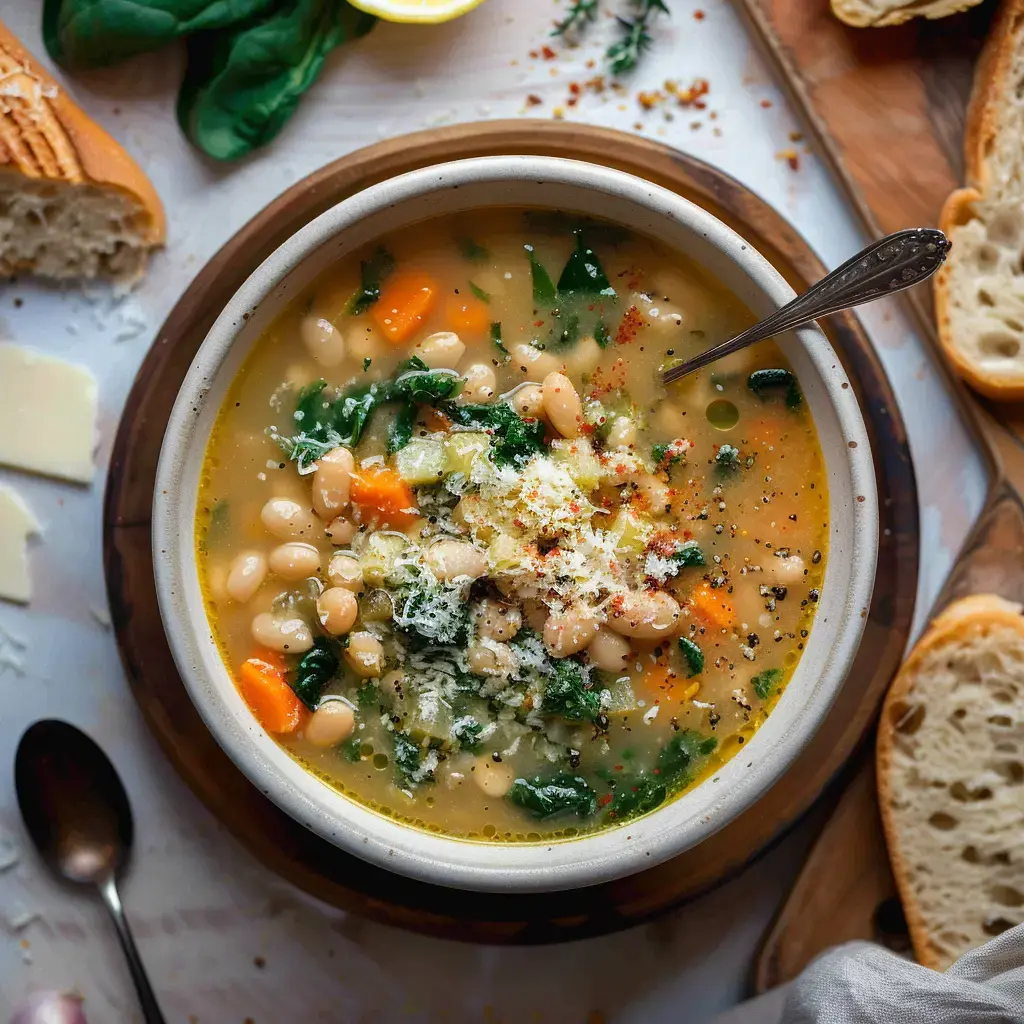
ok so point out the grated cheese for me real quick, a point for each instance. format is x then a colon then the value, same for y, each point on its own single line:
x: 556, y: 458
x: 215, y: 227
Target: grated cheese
x: 17, y: 524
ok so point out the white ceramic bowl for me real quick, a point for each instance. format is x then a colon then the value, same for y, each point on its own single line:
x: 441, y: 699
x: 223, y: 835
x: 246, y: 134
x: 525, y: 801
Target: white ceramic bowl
x: 677, y: 825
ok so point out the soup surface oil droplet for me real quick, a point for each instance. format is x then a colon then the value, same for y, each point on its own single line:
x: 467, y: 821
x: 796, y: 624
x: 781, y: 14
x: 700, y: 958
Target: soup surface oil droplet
x: 722, y: 414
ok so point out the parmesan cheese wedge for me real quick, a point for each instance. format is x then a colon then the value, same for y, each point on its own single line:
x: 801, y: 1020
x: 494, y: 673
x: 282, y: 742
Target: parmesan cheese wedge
x: 47, y: 415
x: 17, y: 524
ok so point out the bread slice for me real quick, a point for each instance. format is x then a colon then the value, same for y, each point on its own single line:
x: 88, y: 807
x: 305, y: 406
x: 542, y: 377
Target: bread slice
x: 879, y: 13
x: 951, y: 779
x: 72, y: 202
x: 979, y: 291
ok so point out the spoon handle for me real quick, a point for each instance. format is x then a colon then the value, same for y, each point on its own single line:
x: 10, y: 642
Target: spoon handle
x: 150, y: 1010
x: 885, y: 267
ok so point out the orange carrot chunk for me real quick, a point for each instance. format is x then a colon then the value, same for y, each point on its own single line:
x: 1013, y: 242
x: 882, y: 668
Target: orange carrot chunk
x: 709, y: 604
x: 468, y: 315
x: 380, y: 490
x: 406, y: 300
x: 271, y: 699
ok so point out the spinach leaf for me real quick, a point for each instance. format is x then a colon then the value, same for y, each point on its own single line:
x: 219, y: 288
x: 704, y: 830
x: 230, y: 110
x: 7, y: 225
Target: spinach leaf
x: 516, y: 440
x: 766, y: 382
x: 636, y: 795
x: 583, y: 274
x: 314, y: 672
x: 472, y: 251
x: 466, y: 732
x: 351, y: 413
x: 558, y: 794
x: 431, y: 610
x: 350, y: 749
x: 765, y: 683
x: 372, y: 274
x: 681, y: 753
x: 496, y: 338
x: 667, y: 455
x: 409, y: 761
x: 693, y: 656
x: 244, y: 81
x: 688, y: 554
x: 368, y: 695
x: 568, y: 330
x: 567, y: 693
x: 543, y: 287
x: 479, y: 292
x: 601, y: 335
x: 310, y: 407
x: 401, y: 427
x: 425, y: 387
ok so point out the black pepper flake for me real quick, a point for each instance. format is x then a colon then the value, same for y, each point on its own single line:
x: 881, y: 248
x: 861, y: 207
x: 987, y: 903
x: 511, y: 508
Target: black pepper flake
x: 816, y: 558
x: 496, y: 757
x: 813, y: 595
x: 574, y: 759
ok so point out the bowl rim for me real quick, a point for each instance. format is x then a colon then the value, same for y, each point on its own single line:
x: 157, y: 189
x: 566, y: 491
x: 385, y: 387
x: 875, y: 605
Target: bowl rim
x: 386, y: 842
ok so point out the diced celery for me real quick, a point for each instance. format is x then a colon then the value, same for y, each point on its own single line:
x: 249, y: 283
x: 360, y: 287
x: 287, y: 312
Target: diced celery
x: 504, y: 552
x: 580, y: 461
x: 421, y: 461
x: 463, y: 448
x: 378, y: 558
x: 631, y: 531
x: 620, y: 697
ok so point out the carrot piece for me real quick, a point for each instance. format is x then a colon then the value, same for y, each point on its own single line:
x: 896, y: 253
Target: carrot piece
x: 468, y: 315
x: 381, y: 490
x: 262, y: 685
x: 709, y: 604
x: 406, y: 300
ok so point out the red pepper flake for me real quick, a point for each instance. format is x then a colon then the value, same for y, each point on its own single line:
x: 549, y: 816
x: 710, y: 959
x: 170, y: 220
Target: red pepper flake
x: 575, y: 88
x: 791, y: 156
x: 604, y: 801
x: 693, y: 95
x: 766, y: 104
x: 631, y: 324
x: 548, y: 54
x: 618, y: 767
x: 699, y: 15
x: 533, y: 100
x: 590, y: 64
x: 796, y: 136
x: 538, y: 323
x: 534, y: 54
x: 649, y: 100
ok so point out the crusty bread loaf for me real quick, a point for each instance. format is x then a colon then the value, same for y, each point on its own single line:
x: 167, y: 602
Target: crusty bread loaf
x: 72, y: 202
x: 951, y: 779
x: 878, y: 13
x: 979, y: 291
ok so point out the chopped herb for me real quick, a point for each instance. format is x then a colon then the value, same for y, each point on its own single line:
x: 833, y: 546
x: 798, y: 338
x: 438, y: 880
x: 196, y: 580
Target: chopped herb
x: 625, y: 54
x: 567, y: 693
x: 472, y: 251
x: 558, y: 794
x: 314, y: 672
x: 424, y: 386
x: 680, y: 753
x: 581, y: 13
x: 366, y: 363
x: 372, y: 273
x: 764, y: 383
x: 368, y: 695
x: 636, y: 795
x: 432, y: 610
x: 516, y: 440
x: 350, y: 749
x: 765, y: 683
x: 670, y: 454
x: 496, y: 338
x: 401, y: 427
x: 601, y: 335
x: 583, y: 273
x: 693, y: 655
x: 466, y: 732
x: 479, y: 292
x: 688, y: 554
x: 409, y: 760
x: 543, y: 287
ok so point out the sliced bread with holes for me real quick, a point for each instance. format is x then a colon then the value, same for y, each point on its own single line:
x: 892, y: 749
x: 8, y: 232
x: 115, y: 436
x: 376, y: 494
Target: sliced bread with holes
x: 951, y: 779
x: 879, y: 13
x: 979, y: 292
x: 73, y: 203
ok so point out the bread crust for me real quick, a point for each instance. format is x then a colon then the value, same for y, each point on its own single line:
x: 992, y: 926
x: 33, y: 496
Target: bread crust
x: 46, y: 135
x: 858, y: 15
x: 980, y: 612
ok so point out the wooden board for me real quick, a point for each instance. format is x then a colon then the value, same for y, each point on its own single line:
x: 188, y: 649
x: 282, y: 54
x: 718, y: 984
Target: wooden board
x: 302, y: 857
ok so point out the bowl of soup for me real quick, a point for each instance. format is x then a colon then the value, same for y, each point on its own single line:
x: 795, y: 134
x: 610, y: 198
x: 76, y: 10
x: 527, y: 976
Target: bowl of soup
x: 458, y: 582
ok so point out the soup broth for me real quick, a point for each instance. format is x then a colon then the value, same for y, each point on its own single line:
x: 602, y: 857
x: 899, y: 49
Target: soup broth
x: 473, y: 565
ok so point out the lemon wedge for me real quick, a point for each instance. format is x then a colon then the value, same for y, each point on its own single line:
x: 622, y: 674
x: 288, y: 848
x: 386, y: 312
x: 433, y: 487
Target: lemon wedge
x: 425, y: 12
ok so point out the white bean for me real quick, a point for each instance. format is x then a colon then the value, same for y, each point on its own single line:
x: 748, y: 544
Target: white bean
x: 338, y: 610
x: 570, y: 631
x: 340, y: 531
x: 479, y: 384
x: 562, y: 404
x: 788, y: 569
x: 363, y: 342
x: 494, y: 778
x: 332, y: 723
x: 287, y: 519
x: 365, y: 655
x: 490, y: 659
x: 585, y: 357
x: 291, y: 635
x: 497, y: 620
x: 657, y: 494
x: 532, y: 362
x: 450, y: 559
x: 322, y: 339
x: 345, y: 571
x: 609, y: 652
x: 246, y: 576
x: 442, y: 350
x: 528, y: 401
x: 332, y: 482
x: 622, y: 432
x: 644, y: 614
x: 294, y: 561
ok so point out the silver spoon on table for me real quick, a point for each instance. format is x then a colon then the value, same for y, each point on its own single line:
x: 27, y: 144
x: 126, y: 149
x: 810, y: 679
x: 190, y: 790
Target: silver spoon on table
x: 77, y: 813
x: 885, y: 267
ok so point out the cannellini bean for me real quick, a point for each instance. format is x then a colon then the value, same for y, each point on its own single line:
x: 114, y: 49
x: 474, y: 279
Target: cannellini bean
x: 609, y: 652
x: 442, y: 350
x: 246, y: 576
x: 363, y: 341
x: 536, y: 615
x: 287, y: 519
x: 788, y: 569
x: 337, y: 609
x: 332, y: 723
x: 570, y: 631
x: 562, y: 404
x: 490, y: 659
x: 365, y: 654
x: 340, y: 531
x: 528, y: 401
x: 291, y: 635
x: 494, y: 778
x: 532, y: 362
x: 294, y: 561
x: 497, y: 620
x: 585, y: 357
x: 669, y: 419
x: 450, y: 559
x: 331, y: 483
x: 322, y: 339
x: 377, y: 606
x: 644, y: 614
x: 345, y: 571
x: 656, y: 493
x: 479, y: 384
x: 622, y: 432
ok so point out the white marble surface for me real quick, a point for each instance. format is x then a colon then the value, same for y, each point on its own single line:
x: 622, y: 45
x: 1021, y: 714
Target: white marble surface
x: 202, y: 908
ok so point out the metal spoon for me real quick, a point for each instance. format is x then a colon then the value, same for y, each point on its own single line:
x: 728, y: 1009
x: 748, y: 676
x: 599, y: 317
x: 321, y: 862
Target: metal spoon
x: 885, y: 267
x: 77, y: 813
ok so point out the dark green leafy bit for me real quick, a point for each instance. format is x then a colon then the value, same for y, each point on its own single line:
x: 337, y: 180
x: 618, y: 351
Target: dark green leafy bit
x: 350, y: 749
x: 636, y: 795
x: 516, y: 440
x: 401, y: 427
x: 368, y: 695
x: 692, y: 655
x: 466, y: 732
x: 557, y: 794
x: 601, y: 335
x: 372, y: 274
x: 671, y: 454
x: 765, y: 383
x: 767, y: 682
x: 583, y: 273
x: 681, y: 753
x: 688, y: 554
x: 625, y: 54
x: 496, y: 338
x: 315, y: 670
x: 243, y: 82
x: 409, y: 760
x: 727, y: 458
x: 432, y: 611
x: 422, y: 385
x: 472, y: 251
x: 479, y: 292
x: 568, y: 694
x: 543, y: 287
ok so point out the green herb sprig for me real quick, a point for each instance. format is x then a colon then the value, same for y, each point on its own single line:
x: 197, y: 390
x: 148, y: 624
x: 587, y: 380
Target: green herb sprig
x: 580, y: 14
x: 624, y: 55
